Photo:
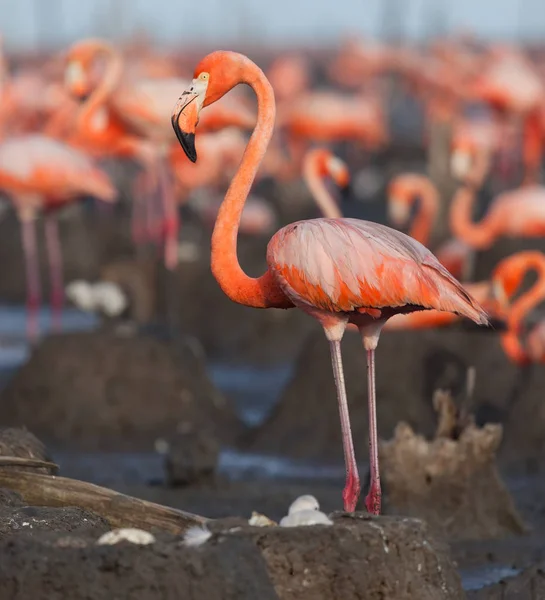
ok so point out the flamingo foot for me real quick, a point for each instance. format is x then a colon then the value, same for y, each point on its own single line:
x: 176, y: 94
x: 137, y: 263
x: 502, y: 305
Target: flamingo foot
x: 351, y: 492
x: 373, y: 499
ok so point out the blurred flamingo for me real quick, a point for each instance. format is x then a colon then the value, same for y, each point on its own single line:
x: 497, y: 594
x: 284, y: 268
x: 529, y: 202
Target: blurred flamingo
x: 403, y: 192
x: 512, y: 87
x: 42, y: 174
x: 326, y: 117
x: 336, y: 270
x: 142, y: 107
x: 318, y: 164
x: 507, y: 279
x: 516, y: 213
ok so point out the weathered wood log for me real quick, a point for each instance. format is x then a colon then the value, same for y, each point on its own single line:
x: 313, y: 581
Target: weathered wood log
x: 18, y: 461
x: 118, y: 509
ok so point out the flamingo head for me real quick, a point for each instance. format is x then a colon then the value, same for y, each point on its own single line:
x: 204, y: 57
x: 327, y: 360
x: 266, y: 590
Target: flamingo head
x: 399, y: 202
x: 462, y: 156
x: 337, y: 170
x: 81, y: 71
x: 509, y: 274
x: 215, y: 75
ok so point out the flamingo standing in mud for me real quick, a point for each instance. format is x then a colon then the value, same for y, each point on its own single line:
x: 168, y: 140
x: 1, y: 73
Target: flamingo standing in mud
x: 506, y: 280
x: 42, y: 174
x: 336, y: 270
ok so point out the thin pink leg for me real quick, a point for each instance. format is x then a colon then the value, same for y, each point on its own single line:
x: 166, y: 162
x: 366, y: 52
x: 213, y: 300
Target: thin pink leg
x: 351, y: 490
x: 154, y: 207
x: 140, y: 190
x: 32, y: 277
x: 373, y: 499
x: 171, y: 218
x: 55, y: 270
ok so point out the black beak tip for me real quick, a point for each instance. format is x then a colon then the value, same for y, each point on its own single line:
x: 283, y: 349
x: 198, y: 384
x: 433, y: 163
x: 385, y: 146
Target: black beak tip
x: 187, y: 141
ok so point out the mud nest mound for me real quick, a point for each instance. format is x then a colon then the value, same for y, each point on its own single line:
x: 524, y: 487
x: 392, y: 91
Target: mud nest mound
x: 451, y: 482
x: 358, y: 557
x: 103, y: 391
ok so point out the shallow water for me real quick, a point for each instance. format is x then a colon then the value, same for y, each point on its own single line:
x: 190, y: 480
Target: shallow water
x: 477, y: 578
x: 253, y: 390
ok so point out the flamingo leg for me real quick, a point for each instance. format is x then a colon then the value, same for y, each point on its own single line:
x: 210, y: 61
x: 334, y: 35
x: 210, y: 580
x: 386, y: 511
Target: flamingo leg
x: 351, y: 490
x: 171, y: 217
x: 55, y: 269
x: 32, y: 277
x: 140, y: 190
x: 155, y: 207
x: 373, y: 499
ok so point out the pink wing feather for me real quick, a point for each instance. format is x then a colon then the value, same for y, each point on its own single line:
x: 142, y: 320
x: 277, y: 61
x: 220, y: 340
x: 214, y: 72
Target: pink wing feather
x: 343, y: 265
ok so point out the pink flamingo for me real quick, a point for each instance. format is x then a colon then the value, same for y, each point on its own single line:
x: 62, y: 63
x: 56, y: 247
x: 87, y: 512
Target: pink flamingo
x: 507, y: 279
x: 336, y: 270
x: 39, y: 173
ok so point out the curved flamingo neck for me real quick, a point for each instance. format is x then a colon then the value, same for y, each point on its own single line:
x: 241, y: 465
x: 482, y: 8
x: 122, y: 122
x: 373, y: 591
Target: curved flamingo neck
x: 479, y: 236
x: 512, y: 347
x: 313, y: 175
x: 260, y: 292
x: 104, y: 90
x: 520, y: 308
x: 423, y: 222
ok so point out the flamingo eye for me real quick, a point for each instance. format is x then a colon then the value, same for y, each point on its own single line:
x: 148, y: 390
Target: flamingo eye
x: 204, y: 76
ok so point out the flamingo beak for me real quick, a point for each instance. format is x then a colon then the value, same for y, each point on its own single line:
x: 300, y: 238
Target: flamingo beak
x: 185, y: 117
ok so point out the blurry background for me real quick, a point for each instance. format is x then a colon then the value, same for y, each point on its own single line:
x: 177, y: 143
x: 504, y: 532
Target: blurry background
x: 35, y: 24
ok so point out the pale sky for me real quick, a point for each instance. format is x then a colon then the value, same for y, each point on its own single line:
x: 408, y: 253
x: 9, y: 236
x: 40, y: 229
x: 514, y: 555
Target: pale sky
x: 22, y: 22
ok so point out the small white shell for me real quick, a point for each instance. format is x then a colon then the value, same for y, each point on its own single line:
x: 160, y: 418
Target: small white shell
x: 306, y: 517
x: 80, y: 292
x: 133, y: 535
x: 110, y: 297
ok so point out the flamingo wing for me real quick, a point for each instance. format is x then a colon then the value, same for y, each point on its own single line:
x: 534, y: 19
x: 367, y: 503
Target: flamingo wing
x: 347, y: 265
x: 36, y: 163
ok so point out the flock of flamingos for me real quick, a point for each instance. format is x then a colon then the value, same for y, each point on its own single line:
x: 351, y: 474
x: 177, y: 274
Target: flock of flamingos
x: 62, y: 114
